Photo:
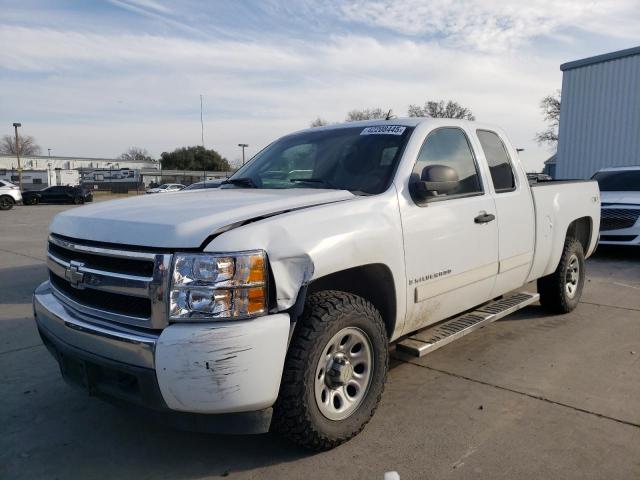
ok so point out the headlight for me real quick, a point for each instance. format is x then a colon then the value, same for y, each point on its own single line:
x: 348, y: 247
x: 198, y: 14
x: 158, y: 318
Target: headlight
x: 217, y: 286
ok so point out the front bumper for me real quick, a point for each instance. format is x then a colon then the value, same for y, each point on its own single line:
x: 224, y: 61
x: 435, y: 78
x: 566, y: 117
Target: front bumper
x: 625, y: 236
x: 217, y: 377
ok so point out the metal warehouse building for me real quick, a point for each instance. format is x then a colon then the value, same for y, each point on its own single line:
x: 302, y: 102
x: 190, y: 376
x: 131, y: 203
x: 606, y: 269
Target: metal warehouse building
x: 599, y: 114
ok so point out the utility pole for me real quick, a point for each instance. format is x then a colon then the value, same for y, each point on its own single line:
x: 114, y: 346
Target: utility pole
x: 15, y: 126
x: 204, y: 160
x: 243, y: 146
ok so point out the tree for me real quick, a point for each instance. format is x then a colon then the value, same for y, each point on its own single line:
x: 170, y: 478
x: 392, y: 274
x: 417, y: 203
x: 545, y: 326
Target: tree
x: 366, y: 114
x: 194, y: 158
x: 550, y: 106
x: 319, y: 122
x: 28, y: 145
x: 136, y: 154
x: 440, y: 109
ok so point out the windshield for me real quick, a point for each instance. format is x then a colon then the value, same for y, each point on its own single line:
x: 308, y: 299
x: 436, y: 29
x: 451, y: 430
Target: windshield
x: 619, y: 181
x: 359, y: 159
x: 163, y: 187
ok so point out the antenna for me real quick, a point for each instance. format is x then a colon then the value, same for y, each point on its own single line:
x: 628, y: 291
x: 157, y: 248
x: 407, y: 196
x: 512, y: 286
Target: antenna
x: 201, y: 122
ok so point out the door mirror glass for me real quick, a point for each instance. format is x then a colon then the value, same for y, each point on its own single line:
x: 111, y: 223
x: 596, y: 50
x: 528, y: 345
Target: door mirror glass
x: 436, y: 180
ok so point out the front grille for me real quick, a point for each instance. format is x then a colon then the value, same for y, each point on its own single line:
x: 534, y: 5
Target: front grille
x: 120, y: 304
x: 144, y: 268
x: 617, y: 218
x: 111, y: 284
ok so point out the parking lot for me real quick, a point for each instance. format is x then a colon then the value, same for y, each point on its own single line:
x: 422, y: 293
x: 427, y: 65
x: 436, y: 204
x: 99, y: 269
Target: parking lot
x: 531, y: 396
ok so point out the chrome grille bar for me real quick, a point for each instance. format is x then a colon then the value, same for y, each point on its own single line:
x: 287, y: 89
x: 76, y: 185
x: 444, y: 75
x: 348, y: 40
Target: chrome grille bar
x: 97, y: 269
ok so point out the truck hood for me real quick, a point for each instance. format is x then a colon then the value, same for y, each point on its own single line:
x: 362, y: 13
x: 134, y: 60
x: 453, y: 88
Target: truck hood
x: 632, y: 198
x: 182, y: 219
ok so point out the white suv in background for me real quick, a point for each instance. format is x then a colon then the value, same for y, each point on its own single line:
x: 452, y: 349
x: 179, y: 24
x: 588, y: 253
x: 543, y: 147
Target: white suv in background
x: 9, y: 195
x: 167, y: 187
x: 620, y: 197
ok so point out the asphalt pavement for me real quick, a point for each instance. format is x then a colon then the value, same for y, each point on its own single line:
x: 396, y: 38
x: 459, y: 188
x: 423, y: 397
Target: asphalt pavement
x: 531, y: 396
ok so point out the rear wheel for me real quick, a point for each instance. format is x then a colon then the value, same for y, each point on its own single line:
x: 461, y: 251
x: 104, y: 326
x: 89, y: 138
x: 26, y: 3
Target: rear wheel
x: 560, y: 291
x: 77, y: 200
x: 6, y: 202
x: 334, y: 373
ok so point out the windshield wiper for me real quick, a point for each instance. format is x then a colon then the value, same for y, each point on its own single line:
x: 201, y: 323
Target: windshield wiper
x: 242, y: 181
x: 315, y: 180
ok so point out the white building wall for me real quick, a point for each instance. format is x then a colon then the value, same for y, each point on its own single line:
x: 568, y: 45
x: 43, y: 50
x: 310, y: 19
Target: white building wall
x: 9, y: 162
x: 600, y: 114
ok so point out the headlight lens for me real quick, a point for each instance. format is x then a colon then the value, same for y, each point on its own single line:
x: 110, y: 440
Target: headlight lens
x: 212, y: 286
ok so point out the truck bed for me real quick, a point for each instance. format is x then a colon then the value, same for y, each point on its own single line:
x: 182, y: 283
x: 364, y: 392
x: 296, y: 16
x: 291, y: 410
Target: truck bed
x: 557, y: 204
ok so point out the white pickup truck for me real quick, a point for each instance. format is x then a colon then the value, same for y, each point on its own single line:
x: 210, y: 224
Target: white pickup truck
x: 272, y: 302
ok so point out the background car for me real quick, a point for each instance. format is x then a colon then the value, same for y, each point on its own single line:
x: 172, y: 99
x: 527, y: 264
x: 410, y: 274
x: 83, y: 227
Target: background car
x: 9, y: 195
x: 205, y: 184
x: 58, y: 194
x: 535, y: 177
x: 167, y: 187
x: 620, y: 201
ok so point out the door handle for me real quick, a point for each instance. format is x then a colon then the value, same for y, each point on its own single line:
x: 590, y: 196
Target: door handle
x: 484, y: 217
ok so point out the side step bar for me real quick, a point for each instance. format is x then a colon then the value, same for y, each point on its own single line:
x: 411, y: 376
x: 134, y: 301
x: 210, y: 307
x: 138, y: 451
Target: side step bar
x: 434, y: 337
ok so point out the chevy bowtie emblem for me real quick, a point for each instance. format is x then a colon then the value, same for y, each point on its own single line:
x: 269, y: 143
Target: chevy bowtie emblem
x: 73, y: 274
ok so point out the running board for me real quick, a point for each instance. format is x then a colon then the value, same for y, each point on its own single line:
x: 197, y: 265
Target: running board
x: 434, y: 337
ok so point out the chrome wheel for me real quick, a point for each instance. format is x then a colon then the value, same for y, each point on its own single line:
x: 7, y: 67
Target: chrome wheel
x: 343, y: 374
x: 572, y: 276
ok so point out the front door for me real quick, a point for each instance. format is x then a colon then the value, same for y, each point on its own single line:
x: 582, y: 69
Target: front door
x: 451, y: 240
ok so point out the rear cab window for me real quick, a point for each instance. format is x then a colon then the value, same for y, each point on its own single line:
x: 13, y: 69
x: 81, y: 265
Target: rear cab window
x: 498, y: 160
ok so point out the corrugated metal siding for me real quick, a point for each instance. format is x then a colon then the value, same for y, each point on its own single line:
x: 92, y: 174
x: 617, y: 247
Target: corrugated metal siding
x: 599, y: 117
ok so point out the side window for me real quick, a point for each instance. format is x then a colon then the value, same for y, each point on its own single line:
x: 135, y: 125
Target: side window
x: 498, y: 160
x: 450, y: 147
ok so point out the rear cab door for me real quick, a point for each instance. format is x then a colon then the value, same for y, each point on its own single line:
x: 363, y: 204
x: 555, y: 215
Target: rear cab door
x: 451, y: 258
x: 514, y: 208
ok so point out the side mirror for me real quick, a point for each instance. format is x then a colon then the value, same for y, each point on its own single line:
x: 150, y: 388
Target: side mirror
x: 435, y: 180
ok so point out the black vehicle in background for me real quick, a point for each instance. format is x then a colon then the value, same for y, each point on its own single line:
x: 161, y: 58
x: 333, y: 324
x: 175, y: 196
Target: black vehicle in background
x: 58, y: 194
x: 206, y: 184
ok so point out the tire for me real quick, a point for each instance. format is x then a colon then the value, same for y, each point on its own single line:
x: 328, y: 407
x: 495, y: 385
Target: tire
x: 77, y: 200
x: 312, y: 377
x: 31, y: 201
x: 560, y: 291
x: 6, y: 202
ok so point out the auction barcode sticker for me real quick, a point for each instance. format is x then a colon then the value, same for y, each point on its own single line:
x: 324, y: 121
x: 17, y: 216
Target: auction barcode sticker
x: 384, y: 130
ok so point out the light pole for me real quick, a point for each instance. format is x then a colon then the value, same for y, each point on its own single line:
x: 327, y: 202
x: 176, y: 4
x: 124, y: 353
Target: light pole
x: 15, y: 126
x: 49, y: 150
x: 243, y: 146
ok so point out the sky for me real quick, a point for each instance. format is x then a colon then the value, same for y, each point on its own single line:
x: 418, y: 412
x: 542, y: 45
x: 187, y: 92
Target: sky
x: 93, y: 78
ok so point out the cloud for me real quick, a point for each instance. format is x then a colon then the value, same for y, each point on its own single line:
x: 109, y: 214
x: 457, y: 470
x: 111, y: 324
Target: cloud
x: 95, y: 88
x: 493, y: 25
x: 117, y: 84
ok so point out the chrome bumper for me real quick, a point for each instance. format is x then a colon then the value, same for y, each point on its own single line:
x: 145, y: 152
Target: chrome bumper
x: 117, y: 343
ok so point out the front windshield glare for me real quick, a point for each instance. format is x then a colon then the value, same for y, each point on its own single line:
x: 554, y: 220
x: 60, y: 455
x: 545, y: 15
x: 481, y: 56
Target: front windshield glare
x: 360, y: 159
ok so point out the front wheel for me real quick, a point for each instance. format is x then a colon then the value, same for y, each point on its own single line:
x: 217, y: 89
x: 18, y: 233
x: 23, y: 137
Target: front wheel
x: 77, y: 200
x: 335, y: 371
x: 6, y: 203
x: 560, y: 291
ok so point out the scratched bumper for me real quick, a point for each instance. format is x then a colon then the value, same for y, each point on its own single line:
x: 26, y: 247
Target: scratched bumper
x: 230, y: 369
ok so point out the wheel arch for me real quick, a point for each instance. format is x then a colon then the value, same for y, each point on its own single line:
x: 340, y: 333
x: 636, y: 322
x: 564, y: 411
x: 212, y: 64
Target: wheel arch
x: 8, y: 197
x: 581, y: 229
x: 374, y: 282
